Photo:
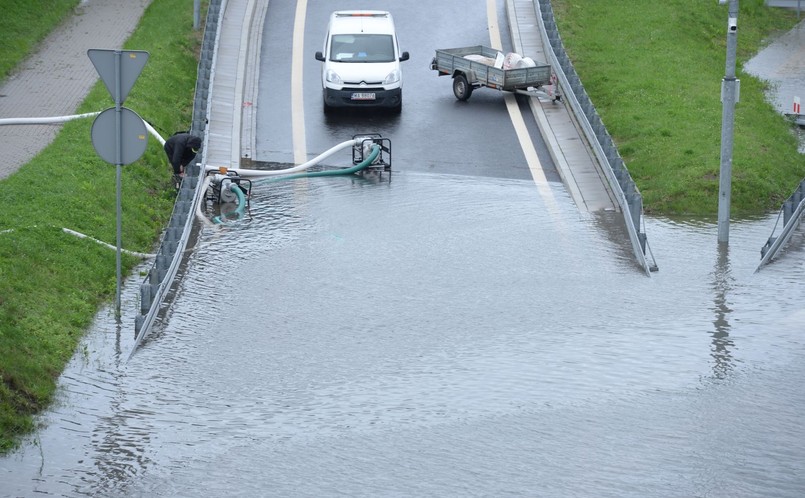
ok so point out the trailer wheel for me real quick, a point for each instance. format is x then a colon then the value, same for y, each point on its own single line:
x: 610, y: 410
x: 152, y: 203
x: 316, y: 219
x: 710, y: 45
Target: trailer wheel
x: 461, y: 87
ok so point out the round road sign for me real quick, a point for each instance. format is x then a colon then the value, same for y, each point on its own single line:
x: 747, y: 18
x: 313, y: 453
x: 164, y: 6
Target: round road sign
x: 133, y: 136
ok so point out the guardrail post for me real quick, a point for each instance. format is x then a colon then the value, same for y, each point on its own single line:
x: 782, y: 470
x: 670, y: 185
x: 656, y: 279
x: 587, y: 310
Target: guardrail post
x: 765, y: 248
x: 788, y: 210
x: 145, y: 298
x: 161, y: 266
x: 635, y: 202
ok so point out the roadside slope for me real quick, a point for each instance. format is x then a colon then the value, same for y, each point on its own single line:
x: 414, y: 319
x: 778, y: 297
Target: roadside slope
x: 51, y: 283
x: 654, y: 70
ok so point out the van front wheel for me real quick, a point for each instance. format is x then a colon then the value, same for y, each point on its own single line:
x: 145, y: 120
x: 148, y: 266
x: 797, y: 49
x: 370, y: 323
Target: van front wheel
x: 461, y: 87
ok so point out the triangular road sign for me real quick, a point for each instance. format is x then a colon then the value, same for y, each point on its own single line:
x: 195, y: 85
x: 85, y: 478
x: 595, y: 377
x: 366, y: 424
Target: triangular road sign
x: 131, y: 65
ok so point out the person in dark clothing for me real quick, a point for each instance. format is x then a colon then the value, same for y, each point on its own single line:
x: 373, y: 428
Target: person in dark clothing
x: 181, y: 148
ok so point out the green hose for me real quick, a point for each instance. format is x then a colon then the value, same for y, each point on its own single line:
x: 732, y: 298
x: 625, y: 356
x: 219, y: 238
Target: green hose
x: 332, y: 172
x: 241, y: 204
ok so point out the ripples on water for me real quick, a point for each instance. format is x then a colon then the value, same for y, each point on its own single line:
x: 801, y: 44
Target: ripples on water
x: 442, y: 335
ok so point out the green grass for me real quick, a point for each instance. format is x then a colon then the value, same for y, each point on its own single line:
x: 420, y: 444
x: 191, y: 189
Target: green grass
x: 654, y: 70
x: 23, y: 24
x: 51, y: 283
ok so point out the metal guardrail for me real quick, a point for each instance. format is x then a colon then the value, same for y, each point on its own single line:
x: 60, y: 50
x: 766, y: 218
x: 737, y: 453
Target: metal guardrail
x: 625, y: 189
x: 159, y: 279
x: 787, y: 4
x: 791, y: 213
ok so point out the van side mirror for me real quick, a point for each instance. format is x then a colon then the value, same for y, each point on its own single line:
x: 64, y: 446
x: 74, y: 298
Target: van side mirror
x: 404, y: 56
x: 319, y: 56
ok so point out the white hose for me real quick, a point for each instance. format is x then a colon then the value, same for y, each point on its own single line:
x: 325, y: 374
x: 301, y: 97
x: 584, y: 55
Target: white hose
x: 53, y: 120
x: 199, y: 214
x: 110, y: 246
x: 84, y: 236
x: 257, y: 173
x: 64, y: 119
x: 153, y: 132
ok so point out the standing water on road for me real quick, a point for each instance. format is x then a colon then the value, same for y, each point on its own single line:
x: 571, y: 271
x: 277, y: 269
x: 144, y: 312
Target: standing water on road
x: 782, y: 64
x: 439, y: 335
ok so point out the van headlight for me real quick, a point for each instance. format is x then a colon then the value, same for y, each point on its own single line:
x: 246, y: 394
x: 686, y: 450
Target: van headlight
x: 332, y: 77
x: 393, y: 77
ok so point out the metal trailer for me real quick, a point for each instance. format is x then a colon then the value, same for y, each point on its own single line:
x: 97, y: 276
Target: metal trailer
x: 479, y: 66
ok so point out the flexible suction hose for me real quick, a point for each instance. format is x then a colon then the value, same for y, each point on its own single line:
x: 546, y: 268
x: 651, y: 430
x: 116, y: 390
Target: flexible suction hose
x: 64, y: 119
x: 258, y: 173
x: 334, y: 172
x: 241, y: 204
x: 242, y: 199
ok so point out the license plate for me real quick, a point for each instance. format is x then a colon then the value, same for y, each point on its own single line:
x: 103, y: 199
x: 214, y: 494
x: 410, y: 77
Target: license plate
x: 363, y: 96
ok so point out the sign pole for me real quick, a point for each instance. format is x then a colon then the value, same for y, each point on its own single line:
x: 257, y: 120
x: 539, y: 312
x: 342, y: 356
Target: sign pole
x: 118, y: 134
x: 118, y: 175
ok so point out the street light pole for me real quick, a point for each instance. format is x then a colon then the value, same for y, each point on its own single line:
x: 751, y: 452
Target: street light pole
x: 730, y: 92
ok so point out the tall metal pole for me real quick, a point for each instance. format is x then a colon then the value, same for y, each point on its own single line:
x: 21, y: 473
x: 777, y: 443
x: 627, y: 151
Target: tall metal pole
x: 118, y: 168
x: 196, y: 14
x: 730, y: 91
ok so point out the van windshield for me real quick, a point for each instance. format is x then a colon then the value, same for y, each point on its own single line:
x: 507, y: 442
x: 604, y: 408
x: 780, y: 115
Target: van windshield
x: 362, y: 48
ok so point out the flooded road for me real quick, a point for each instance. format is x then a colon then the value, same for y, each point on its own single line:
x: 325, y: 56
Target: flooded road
x: 440, y: 335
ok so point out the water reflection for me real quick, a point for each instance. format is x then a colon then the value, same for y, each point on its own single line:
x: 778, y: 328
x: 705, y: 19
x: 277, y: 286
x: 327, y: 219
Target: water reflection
x: 722, y: 344
x: 612, y: 224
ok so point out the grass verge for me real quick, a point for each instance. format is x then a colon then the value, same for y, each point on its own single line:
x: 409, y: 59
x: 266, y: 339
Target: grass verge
x: 654, y: 70
x: 51, y: 283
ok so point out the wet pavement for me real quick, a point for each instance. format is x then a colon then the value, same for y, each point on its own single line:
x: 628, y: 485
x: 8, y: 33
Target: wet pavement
x: 782, y: 64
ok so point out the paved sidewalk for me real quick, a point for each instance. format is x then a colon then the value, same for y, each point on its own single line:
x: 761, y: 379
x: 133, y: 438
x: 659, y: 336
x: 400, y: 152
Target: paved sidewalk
x: 782, y: 63
x: 56, y: 79
x: 575, y: 161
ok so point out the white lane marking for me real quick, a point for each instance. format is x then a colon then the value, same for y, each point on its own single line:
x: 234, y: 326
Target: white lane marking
x: 530, y: 153
x: 297, y: 103
x: 492, y: 22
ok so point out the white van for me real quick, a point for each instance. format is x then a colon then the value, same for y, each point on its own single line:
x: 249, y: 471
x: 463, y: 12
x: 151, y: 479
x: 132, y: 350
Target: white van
x: 361, y: 61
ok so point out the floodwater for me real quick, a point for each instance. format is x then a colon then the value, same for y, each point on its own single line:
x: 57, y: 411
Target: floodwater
x: 439, y: 335
x: 782, y: 64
